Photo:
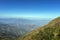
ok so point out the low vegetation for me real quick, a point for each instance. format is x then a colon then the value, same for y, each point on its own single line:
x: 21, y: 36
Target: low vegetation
x: 51, y: 31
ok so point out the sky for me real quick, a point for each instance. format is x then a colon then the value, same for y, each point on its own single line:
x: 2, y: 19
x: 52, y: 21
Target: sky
x: 29, y: 8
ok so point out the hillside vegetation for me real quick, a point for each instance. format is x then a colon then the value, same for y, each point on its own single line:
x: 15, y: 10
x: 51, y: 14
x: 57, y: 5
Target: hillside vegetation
x: 51, y: 31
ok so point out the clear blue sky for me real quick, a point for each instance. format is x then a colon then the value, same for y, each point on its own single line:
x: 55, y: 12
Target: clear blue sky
x: 29, y: 8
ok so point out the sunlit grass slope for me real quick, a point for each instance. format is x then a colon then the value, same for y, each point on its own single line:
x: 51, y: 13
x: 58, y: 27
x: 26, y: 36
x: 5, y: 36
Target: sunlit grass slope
x: 51, y: 31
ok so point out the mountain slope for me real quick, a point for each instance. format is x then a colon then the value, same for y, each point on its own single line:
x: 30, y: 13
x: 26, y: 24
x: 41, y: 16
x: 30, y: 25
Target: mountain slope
x: 10, y: 32
x: 50, y: 31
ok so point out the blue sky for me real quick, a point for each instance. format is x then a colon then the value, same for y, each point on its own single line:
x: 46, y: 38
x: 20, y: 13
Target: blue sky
x: 29, y: 8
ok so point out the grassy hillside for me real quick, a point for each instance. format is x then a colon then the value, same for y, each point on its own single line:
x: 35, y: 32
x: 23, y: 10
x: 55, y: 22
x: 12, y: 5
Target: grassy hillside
x: 51, y: 31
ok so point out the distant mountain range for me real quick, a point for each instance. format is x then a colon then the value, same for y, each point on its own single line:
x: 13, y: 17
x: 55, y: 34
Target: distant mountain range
x: 50, y: 31
x: 24, y: 21
x: 29, y: 24
x: 14, y: 27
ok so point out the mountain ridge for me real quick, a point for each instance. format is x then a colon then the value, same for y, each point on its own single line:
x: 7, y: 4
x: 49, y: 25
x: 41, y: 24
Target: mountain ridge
x: 51, y: 31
